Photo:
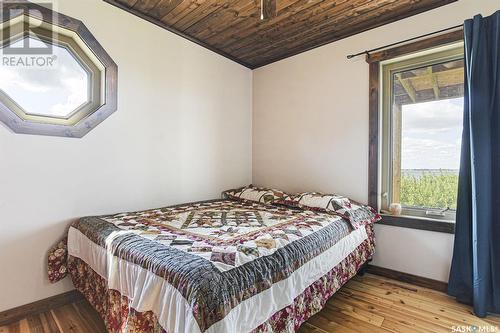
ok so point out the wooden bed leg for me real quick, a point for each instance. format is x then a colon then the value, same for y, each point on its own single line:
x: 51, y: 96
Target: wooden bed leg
x: 363, y: 268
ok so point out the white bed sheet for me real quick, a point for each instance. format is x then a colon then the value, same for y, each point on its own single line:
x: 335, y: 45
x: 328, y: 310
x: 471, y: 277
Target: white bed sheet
x: 149, y: 292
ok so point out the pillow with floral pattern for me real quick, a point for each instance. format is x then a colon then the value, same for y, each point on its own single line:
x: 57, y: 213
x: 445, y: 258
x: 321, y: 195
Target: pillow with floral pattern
x: 257, y: 194
x: 357, y: 214
x: 57, y: 257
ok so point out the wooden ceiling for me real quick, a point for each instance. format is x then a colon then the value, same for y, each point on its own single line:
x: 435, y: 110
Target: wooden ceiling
x: 432, y: 83
x: 234, y: 29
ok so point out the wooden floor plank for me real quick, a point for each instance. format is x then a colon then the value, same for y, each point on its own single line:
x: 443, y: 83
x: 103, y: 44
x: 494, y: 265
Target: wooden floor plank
x: 367, y: 304
x: 342, y: 319
x: 422, y: 322
x: 409, y: 290
x: 35, y: 324
x: 329, y: 323
x: 308, y: 328
x: 12, y: 328
x: 69, y: 321
x: 359, y: 314
x: 48, y: 323
x: 90, y: 316
x: 493, y: 319
x: 460, y: 313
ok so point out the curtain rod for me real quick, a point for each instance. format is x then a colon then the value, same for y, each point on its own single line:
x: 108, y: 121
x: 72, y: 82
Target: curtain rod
x: 367, y: 52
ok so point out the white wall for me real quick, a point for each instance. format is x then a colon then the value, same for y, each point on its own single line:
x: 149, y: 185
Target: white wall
x: 182, y: 132
x: 310, y: 129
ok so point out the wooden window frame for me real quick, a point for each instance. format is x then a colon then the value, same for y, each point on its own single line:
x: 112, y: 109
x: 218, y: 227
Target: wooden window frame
x: 78, y: 39
x: 374, y: 181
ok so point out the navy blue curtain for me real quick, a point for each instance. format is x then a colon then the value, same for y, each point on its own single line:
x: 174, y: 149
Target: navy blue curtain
x: 475, y: 271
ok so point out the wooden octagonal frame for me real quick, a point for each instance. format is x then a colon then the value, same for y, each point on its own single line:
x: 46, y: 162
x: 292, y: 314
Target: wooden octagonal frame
x: 12, y: 10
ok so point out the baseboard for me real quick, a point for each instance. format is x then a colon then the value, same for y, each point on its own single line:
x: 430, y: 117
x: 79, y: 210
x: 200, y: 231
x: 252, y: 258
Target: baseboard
x: 10, y: 316
x: 408, y: 278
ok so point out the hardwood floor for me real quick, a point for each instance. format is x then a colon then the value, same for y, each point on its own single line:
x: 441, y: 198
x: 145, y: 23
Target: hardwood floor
x: 370, y: 304
x: 77, y: 317
x: 375, y: 304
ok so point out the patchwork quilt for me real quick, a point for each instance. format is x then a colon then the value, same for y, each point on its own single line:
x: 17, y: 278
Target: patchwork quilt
x: 212, y: 259
x: 227, y: 233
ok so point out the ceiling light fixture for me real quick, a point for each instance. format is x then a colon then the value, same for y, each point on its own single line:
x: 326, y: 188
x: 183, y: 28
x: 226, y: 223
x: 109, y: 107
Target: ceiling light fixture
x: 267, y: 9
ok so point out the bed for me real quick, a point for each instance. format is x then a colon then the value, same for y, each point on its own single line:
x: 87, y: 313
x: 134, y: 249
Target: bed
x: 219, y: 266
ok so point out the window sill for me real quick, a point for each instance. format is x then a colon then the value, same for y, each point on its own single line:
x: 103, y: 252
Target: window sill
x: 419, y: 223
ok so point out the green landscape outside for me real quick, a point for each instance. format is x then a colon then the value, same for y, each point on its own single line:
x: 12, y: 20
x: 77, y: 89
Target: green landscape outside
x: 430, y: 153
x: 429, y: 188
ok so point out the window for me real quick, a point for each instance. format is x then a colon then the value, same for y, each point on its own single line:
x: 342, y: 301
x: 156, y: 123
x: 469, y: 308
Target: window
x: 421, y: 118
x: 55, y: 78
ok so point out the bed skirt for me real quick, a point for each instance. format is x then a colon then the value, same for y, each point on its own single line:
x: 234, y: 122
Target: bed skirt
x: 119, y: 317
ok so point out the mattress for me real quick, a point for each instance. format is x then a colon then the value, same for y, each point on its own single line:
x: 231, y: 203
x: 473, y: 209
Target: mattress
x: 214, y: 266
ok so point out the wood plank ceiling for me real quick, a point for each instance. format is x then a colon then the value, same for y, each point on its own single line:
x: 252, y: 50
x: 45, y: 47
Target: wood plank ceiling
x: 234, y: 29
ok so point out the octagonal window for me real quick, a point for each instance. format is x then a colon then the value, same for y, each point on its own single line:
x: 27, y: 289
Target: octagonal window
x: 50, y: 91
x: 55, y: 78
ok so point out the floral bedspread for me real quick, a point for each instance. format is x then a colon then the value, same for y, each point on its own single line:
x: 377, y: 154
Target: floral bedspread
x: 119, y: 317
x: 227, y: 233
x: 194, y: 245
